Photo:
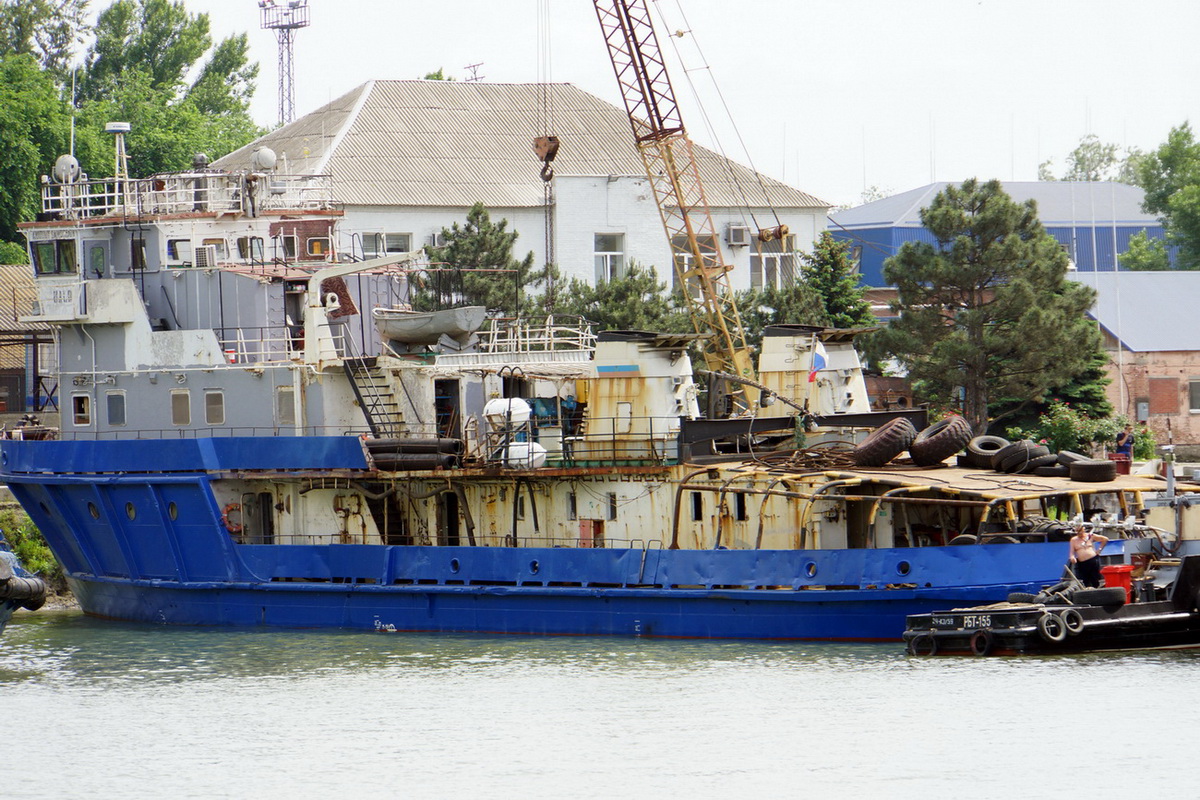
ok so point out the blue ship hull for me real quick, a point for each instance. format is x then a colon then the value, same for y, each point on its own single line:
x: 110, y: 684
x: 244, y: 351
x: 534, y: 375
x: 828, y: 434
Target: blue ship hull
x: 151, y: 547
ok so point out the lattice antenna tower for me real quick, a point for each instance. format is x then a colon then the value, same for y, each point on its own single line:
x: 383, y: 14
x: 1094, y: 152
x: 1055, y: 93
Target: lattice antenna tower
x: 285, y: 17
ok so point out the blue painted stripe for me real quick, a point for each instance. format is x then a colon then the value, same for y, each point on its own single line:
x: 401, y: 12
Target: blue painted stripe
x: 618, y: 368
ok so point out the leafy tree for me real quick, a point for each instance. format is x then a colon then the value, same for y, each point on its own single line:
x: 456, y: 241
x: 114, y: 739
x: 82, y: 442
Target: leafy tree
x: 13, y: 253
x: 226, y: 81
x: 48, y: 30
x: 1085, y: 393
x: 437, y: 75
x: 830, y: 272
x: 988, y: 311
x: 1170, y: 177
x: 1145, y: 254
x: 1094, y: 160
x: 496, y: 280
x: 157, y: 37
x: 34, y: 131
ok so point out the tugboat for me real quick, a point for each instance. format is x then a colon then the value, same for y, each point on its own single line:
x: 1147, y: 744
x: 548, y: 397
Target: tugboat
x: 1161, y: 610
x: 18, y: 588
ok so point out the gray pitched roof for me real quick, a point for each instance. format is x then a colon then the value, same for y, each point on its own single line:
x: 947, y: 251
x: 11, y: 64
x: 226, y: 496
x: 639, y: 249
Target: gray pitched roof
x: 1147, y: 311
x: 449, y: 143
x: 1060, y: 203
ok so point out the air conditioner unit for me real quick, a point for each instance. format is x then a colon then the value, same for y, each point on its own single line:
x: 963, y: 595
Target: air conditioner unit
x: 206, y: 256
x: 737, y: 235
x: 437, y: 240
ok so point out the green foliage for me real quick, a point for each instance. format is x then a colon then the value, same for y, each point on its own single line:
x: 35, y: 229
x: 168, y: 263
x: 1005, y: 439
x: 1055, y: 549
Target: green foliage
x: 13, y: 253
x: 48, y: 30
x: 496, y: 280
x: 436, y: 75
x: 1085, y: 393
x: 35, y: 131
x: 157, y: 37
x: 26, y: 541
x: 798, y: 304
x: 1145, y: 254
x: 637, y: 300
x: 829, y: 271
x: 1170, y: 177
x: 1094, y: 160
x: 1064, y: 427
x: 1144, y: 445
x: 989, y: 311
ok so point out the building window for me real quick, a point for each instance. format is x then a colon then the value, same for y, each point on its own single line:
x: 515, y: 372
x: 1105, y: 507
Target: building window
x: 116, y: 408
x: 609, y: 249
x: 285, y: 405
x: 81, y: 410
x: 774, y: 266
x: 1194, y: 396
x: 285, y: 247
x: 376, y: 245
x: 685, y: 260
x: 214, y: 407
x: 318, y: 246
x: 181, y: 407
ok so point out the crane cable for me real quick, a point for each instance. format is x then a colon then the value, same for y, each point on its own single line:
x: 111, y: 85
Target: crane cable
x: 546, y: 118
x: 679, y: 34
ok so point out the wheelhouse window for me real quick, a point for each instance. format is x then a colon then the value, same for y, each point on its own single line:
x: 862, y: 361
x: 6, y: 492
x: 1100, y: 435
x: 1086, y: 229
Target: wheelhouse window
x: 181, y: 407
x: 81, y: 410
x: 57, y: 257
x: 609, y: 253
x: 285, y: 247
x: 115, y: 402
x: 97, y: 260
x: 214, y: 407
x: 250, y: 248
x: 179, y: 250
x: 318, y: 246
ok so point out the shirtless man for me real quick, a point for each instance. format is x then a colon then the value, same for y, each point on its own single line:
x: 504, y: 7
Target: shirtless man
x: 1085, y: 547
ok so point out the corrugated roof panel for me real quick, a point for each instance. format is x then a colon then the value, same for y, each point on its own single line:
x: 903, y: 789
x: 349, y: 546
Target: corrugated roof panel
x: 444, y: 143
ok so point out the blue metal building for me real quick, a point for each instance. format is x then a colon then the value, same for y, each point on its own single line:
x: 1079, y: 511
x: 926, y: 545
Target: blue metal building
x: 1086, y: 217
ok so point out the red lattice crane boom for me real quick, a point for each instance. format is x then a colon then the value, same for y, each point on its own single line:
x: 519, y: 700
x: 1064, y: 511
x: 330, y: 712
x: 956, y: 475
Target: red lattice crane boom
x: 671, y: 167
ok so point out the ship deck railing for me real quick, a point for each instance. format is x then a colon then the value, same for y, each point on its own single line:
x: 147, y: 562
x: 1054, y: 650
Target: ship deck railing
x: 213, y: 192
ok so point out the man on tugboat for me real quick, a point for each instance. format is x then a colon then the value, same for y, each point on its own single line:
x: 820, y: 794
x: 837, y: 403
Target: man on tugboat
x: 1086, y: 546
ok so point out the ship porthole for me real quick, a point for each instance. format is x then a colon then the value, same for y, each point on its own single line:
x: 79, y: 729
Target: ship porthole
x: 810, y: 569
x: 130, y: 511
x: 903, y: 568
x: 95, y: 512
x: 172, y: 510
x: 534, y: 567
x: 454, y: 565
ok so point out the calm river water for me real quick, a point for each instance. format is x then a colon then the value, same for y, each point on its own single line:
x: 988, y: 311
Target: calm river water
x: 103, y: 709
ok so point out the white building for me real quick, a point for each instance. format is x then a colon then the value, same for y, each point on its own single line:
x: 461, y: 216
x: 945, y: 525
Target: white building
x: 408, y: 158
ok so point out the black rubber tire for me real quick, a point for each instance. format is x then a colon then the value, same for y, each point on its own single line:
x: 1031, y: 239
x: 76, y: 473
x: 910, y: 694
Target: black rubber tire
x: 1048, y: 460
x: 885, y: 443
x: 980, y: 450
x: 981, y: 642
x: 1052, y: 628
x: 1073, y: 621
x: 922, y: 641
x: 1003, y: 540
x: 964, y: 538
x: 939, y: 441
x: 1067, y: 457
x: 1021, y: 597
x: 1104, y: 596
x: 1056, y: 471
x: 1093, y: 471
x: 1022, y: 457
x: 1019, y: 446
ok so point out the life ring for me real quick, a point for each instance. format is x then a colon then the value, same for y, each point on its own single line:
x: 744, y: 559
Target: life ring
x: 1072, y: 620
x: 922, y: 641
x: 231, y: 526
x: 981, y: 642
x: 1052, y: 628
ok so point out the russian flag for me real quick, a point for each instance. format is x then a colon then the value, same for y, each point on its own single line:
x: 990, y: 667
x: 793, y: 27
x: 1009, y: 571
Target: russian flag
x: 819, y: 360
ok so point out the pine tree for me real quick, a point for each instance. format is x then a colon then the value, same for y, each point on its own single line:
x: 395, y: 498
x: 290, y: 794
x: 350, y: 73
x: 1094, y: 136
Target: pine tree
x: 989, y: 311
x: 829, y: 271
x: 637, y: 300
x: 489, y: 276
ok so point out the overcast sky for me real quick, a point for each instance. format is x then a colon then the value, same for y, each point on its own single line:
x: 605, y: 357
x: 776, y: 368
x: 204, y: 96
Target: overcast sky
x: 832, y: 96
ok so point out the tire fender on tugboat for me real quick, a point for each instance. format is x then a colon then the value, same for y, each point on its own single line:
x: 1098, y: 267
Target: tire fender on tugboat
x: 982, y: 641
x: 1051, y: 627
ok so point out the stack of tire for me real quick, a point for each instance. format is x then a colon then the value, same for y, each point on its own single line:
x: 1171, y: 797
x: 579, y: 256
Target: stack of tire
x: 930, y: 447
x: 1026, y: 457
